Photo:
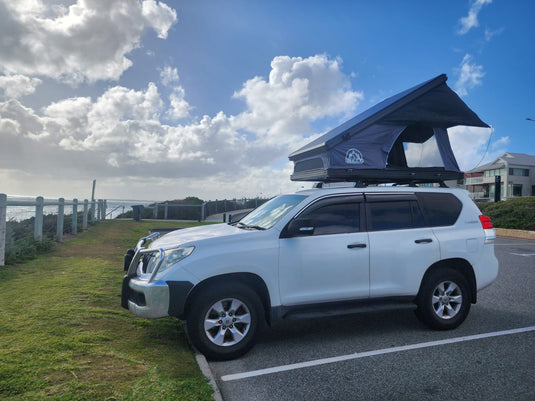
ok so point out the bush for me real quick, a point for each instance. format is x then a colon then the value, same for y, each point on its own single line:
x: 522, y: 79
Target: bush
x: 20, y: 244
x: 516, y: 213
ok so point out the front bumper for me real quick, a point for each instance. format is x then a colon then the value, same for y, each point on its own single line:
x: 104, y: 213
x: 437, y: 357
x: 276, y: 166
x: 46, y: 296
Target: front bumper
x: 145, y: 299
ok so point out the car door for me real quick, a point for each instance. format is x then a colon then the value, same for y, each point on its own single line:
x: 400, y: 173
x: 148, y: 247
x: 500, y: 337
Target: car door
x: 401, y: 246
x: 324, y: 253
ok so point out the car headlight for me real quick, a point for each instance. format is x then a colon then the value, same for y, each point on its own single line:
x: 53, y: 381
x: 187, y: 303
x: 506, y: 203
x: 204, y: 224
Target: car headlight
x: 172, y: 256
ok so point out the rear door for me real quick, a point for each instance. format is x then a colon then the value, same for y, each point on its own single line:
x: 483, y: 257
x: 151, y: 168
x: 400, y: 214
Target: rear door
x: 329, y: 260
x: 401, y: 246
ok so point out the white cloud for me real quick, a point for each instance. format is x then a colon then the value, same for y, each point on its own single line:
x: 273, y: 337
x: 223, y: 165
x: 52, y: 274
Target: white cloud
x: 489, y: 34
x: 169, y: 75
x: 470, y: 75
x: 297, y: 92
x: 470, y: 146
x: 471, y: 21
x: 16, y: 86
x: 120, y: 135
x: 88, y: 41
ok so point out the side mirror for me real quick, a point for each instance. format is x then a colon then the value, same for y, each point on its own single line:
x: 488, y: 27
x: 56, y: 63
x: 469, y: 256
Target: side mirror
x: 300, y: 227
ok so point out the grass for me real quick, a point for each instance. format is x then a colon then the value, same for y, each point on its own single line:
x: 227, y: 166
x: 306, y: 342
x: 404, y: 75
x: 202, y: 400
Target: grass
x: 64, y: 335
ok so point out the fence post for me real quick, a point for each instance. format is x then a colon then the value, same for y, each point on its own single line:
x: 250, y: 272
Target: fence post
x: 74, y: 228
x: 3, y: 214
x: 202, y: 211
x: 38, y: 227
x: 155, y: 211
x: 59, y: 228
x: 93, y: 211
x: 105, y: 208
x: 166, y: 207
x: 86, y: 212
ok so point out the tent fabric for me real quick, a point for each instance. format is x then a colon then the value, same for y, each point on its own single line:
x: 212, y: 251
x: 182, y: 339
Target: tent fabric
x: 371, y: 145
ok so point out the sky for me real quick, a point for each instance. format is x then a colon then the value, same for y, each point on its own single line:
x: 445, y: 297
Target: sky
x: 160, y: 100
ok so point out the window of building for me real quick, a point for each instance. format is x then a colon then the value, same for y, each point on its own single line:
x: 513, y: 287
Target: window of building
x: 494, y: 172
x: 517, y: 189
x: 523, y: 172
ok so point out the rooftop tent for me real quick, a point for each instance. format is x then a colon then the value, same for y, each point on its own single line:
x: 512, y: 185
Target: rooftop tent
x: 372, y: 147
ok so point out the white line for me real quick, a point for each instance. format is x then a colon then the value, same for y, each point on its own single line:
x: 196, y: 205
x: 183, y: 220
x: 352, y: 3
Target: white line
x: 358, y: 355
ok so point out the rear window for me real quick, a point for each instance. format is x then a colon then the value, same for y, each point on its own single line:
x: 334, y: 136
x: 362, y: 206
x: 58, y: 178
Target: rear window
x: 440, y: 209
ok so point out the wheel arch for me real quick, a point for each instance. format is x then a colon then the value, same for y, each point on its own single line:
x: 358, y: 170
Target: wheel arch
x: 460, y: 265
x: 251, y: 280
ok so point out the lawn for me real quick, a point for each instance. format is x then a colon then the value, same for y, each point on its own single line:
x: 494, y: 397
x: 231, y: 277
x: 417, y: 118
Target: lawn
x: 64, y: 335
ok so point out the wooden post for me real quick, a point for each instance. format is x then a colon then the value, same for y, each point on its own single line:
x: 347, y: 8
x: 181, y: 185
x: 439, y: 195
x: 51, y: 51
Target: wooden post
x: 3, y: 216
x: 86, y: 212
x: 38, y: 227
x: 74, y: 227
x: 59, y: 227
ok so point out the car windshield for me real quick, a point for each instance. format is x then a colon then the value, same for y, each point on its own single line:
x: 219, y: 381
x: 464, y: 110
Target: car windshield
x: 268, y: 214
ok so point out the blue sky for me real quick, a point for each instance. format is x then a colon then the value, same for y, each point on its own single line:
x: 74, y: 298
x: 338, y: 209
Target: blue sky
x: 162, y: 100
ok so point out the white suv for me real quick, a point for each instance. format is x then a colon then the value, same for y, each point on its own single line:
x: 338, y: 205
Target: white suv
x: 315, y: 253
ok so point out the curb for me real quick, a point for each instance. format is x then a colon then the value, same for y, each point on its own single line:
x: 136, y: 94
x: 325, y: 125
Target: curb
x: 507, y: 232
x: 207, y: 372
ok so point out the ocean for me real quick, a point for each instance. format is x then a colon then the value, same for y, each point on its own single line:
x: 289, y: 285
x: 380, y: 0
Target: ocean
x: 115, y: 207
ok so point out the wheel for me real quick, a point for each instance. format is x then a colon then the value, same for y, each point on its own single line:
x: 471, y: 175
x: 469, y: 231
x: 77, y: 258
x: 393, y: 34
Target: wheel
x: 222, y: 322
x: 444, y: 300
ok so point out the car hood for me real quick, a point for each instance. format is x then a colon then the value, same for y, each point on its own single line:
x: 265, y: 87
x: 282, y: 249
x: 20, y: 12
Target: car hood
x: 195, y: 234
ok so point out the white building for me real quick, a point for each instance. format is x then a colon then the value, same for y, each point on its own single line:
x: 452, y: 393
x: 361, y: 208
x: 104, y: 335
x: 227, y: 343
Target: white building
x: 517, y: 172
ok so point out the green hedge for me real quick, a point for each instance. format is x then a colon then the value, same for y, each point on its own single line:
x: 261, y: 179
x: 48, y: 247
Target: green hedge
x: 516, y: 213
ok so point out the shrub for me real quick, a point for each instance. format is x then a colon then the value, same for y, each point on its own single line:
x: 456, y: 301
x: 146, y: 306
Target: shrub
x: 518, y: 213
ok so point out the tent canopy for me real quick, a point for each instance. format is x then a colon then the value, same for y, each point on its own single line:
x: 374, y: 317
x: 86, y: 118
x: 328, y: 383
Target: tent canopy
x: 372, y: 146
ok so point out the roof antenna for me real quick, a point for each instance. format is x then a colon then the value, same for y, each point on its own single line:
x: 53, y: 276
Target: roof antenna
x: 486, y: 150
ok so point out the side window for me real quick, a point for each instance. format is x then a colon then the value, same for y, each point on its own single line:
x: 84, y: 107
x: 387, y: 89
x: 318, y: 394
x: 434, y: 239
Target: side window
x: 334, y: 218
x: 394, y: 215
x: 440, y: 209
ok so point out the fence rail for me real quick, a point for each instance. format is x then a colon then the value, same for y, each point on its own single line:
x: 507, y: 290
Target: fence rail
x: 89, y: 209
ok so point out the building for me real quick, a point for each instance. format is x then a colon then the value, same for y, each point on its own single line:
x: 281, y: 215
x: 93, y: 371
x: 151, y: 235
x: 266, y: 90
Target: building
x: 517, y: 173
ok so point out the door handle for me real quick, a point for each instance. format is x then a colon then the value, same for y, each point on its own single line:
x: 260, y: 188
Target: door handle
x: 424, y: 241
x: 351, y: 246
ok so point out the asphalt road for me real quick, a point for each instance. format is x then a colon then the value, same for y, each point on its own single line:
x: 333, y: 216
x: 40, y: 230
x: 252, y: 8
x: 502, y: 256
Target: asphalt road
x: 392, y: 356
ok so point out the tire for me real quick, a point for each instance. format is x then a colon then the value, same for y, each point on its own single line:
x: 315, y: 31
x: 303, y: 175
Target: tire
x: 444, y: 299
x: 222, y: 322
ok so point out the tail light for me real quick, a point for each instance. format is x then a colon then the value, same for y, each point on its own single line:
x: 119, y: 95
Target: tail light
x: 485, y: 222
x: 490, y: 234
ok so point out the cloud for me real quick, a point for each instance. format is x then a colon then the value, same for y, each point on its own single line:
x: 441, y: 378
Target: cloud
x: 297, y: 92
x: 471, y: 21
x: 471, y: 148
x: 470, y: 75
x: 489, y: 34
x: 168, y: 75
x: 178, y: 106
x: 60, y: 42
x: 122, y: 134
x: 16, y: 86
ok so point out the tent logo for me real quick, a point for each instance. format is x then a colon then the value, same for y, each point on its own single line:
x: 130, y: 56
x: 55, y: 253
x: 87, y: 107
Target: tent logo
x: 353, y: 156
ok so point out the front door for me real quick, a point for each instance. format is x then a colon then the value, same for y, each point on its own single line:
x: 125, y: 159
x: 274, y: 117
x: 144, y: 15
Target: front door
x: 329, y: 260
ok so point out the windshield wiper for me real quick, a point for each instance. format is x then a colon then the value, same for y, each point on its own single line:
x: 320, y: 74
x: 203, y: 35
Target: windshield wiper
x: 248, y: 227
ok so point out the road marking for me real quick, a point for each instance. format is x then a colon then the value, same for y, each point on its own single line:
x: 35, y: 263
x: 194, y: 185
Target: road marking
x: 358, y: 355
x: 523, y: 254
